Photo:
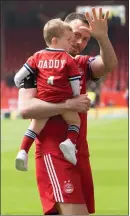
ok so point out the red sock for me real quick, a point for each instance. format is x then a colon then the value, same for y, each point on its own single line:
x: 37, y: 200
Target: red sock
x: 28, y: 140
x: 73, y: 133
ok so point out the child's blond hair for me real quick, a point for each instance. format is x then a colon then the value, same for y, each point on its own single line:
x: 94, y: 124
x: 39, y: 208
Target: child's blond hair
x: 54, y: 28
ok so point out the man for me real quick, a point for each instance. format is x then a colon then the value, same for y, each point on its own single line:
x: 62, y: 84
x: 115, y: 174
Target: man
x: 64, y: 188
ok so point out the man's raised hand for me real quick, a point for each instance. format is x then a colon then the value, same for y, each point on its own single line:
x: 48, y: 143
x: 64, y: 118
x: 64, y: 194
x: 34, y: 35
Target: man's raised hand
x: 98, y: 26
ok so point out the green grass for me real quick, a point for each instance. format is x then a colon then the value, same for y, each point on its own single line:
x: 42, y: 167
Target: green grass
x: 108, y: 140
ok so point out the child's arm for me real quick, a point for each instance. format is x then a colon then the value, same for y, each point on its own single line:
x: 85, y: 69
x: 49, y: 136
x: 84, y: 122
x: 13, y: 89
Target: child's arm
x: 22, y: 74
x: 75, y: 85
x: 28, y: 68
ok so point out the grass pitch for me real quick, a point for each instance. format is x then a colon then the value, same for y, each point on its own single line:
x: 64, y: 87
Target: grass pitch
x: 108, y: 142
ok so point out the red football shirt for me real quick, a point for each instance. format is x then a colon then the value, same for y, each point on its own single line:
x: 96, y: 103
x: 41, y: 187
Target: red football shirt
x: 55, y: 130
x: 55, y: 68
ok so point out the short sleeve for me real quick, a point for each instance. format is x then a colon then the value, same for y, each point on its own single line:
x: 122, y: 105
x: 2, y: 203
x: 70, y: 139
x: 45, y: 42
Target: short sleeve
x: 72, y: 69
x: 30, y: 64
x: 90, y: 73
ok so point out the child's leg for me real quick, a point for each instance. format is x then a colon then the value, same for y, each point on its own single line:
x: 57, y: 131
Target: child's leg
x: 21, y: 162
x: 67, y: 147
x: 34, y: 129
x: 73, y: 121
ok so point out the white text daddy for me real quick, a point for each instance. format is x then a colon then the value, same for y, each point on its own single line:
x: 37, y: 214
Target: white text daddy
x: 51, y: 63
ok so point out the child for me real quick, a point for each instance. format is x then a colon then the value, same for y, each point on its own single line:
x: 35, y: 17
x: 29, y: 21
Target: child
x: 58, y: 79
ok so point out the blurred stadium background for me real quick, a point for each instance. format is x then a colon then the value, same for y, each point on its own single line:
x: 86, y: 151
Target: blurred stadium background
x: 21, y: 36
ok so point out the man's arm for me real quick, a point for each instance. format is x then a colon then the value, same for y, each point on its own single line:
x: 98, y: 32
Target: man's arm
x: 98, y: 28
x: 107, y: 61
x: 31, y: 107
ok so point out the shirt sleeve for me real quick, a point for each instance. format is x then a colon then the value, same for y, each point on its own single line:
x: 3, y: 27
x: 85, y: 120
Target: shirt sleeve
x: 30, y: 64
x: 72, y: 69
x: 90, y: 72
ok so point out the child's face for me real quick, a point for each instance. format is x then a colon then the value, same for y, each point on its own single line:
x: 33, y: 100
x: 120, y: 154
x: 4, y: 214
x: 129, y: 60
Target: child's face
x: 66, y: 41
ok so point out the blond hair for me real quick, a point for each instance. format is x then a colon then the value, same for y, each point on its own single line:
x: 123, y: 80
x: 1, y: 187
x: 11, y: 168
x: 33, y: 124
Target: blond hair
x: 54, y: 28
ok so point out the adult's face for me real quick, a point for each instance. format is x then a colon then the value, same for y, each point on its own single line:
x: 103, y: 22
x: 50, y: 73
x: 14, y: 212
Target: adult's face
x: 81, y: 37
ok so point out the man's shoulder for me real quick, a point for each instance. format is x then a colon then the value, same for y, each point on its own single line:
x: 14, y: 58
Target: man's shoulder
x: 82, y: 57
